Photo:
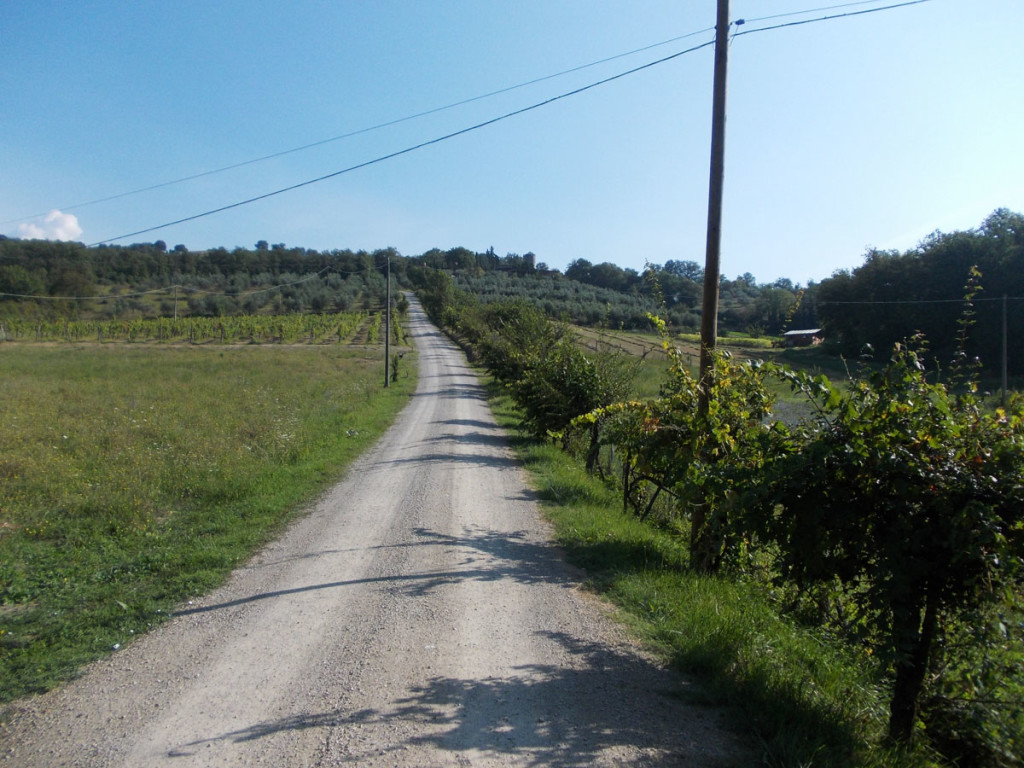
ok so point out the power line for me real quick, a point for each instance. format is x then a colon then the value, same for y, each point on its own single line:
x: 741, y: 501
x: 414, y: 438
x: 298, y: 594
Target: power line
x: 492, y: 121
x: 825, y: 18
x: 368, y: 129
x: 811, y: 10
x: 84, y: 298
x: 961, y: 300
x: 435, y: 110
x: 407, y: 150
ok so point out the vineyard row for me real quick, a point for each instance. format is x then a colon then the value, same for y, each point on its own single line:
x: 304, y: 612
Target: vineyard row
x: 257, y: 329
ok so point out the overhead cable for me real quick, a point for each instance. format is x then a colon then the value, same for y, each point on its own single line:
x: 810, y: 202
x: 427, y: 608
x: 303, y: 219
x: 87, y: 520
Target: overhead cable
x: 407, y: 150
x: 498, y: 119
x: 961, y: 300
x: 825, y: 18
x: 361, y: 131
x: 811, y: 10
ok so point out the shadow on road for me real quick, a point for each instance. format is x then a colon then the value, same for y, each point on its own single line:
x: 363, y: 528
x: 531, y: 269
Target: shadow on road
x: 457, y: 391
x: 484, y: 556
x: 601, y: 710
x: 476, y: 423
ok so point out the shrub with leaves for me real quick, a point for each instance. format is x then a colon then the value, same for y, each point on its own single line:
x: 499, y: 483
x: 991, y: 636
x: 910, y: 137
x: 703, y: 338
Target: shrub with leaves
x: 911, y: 497
x: 514, y: 337
x: 700, y: 459
x: 565, y: 382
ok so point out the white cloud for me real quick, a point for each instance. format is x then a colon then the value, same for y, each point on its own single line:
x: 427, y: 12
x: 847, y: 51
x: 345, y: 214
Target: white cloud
x: 54, y: 226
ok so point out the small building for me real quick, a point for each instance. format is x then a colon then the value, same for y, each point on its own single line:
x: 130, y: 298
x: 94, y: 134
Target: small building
x: 805, y: 338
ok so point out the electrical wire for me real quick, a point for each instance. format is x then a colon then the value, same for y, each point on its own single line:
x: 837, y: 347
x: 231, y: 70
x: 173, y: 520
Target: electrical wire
x: 827, y: 18
x: 921, y: 301
x: 486, y: 123
x: 810, y: 10
x: 84, y: 298
x: 361, y: 131
x: 507, y: 89
x: 407, y: 150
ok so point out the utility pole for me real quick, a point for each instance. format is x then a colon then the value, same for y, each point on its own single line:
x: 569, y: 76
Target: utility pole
x: 712, y: 268
x: 387, y: 328
x: 702, y: 545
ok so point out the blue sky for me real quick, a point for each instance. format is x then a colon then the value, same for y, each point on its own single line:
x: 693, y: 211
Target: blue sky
x: 866, y: 131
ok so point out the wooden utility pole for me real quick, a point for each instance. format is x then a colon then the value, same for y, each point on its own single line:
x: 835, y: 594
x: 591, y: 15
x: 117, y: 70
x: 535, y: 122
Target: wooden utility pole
x: 702, y: 543
x: 712, y: 268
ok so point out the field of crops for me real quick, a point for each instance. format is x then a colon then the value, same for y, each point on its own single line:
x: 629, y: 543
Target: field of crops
x: 255, y: 329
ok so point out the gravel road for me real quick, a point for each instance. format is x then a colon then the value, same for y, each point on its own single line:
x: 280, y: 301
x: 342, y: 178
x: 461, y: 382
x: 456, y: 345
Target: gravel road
x: 418, y: 616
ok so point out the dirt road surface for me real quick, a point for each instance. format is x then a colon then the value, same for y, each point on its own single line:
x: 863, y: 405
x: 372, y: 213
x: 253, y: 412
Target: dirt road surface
x: 418, y: 616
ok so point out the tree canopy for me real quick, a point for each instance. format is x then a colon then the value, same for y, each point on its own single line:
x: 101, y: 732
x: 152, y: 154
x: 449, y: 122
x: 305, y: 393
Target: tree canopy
x: 892, y: 296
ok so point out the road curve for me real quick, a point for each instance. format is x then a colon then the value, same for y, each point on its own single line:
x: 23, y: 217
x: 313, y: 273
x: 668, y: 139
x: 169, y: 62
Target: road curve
x: 418, y: 616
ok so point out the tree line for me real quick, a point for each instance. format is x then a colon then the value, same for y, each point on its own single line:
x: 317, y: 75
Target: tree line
x: 895, y: 295
x: 890, y: 297
x: 42, y: 278
x: 274, y: 278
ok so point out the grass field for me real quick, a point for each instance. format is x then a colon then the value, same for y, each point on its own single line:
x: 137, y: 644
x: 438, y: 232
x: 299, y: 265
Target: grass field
x: 134, y: 476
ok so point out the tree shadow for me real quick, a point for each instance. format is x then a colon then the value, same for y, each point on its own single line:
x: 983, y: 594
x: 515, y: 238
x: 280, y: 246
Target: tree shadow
x: 476, y: 423
x: 457, y: 391
x: 609, y: 560
x: 500, y: 462
x: 262, y: 730
x: 603, y: 706
x: 447, y: 375
x: 528, y: 495
x: 606, y: 702
x: 483, y: 556
x: 471, y: 438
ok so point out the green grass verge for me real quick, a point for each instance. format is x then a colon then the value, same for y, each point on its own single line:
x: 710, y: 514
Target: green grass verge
x: 132, y: 477
x: 808, y: 701
x: 733, y: 339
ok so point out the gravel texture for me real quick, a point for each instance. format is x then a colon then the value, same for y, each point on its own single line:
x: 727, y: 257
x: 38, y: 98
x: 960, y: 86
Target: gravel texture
x: 418, y: 616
